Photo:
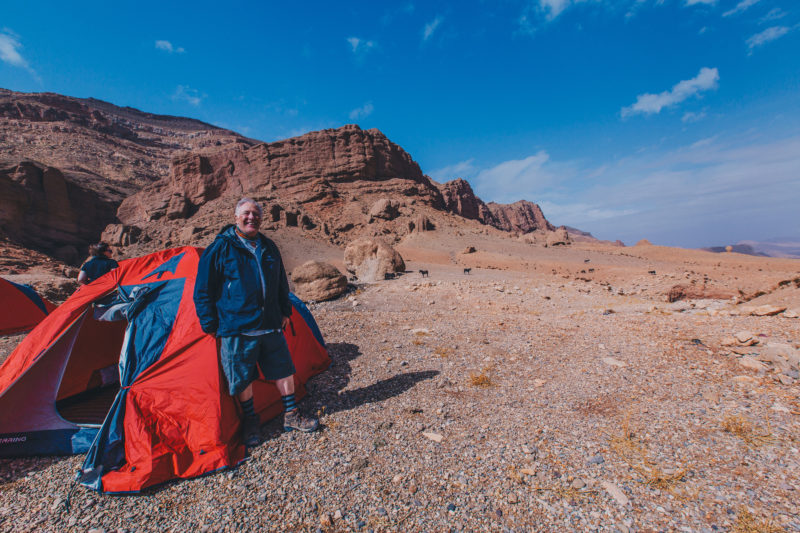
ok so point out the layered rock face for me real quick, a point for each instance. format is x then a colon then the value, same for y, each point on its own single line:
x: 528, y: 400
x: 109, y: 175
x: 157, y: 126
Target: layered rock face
x: 67, y: 163
x: 41, y: 209
x: 118, y: 147
x: 460, y: 199
x: 521, y: 216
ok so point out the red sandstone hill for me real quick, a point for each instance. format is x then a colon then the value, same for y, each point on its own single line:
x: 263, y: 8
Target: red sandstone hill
x: 72, y: 167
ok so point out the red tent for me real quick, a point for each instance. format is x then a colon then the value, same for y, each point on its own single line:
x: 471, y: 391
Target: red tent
x: 21, y: 308
x: 145, y: 396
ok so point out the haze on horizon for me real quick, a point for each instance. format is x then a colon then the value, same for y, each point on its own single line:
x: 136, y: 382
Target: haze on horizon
x: 677, y: 121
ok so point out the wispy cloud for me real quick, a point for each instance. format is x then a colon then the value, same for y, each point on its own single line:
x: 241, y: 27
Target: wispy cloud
x: 362, y: 112
x: 691, y: 116
x: 458, y: 170
x: 768, y: 35
x: 700, y: 2
x: 360, y: 46
x: 694, y: 195
x: 167, y: 46
x: 741, y: 6
x: 774, y: 14
x: 184, y: 93
x: 10, y: 51
x: 647, y: 104
x: 430, y: 28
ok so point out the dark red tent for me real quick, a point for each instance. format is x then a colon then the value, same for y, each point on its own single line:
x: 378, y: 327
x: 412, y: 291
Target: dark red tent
x: 144, y: 397
x: 21, y: 308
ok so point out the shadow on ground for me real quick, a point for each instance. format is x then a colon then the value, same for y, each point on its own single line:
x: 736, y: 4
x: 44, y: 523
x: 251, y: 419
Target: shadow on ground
x: 328, y: 389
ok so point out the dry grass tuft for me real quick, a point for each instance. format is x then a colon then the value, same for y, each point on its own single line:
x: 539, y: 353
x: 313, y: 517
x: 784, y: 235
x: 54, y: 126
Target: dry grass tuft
x: 481, y: 380
x: 418, y: 342
x: 747, y: 523
x: 635, y: 454
x: 443, y: 351
x: 741, y: 427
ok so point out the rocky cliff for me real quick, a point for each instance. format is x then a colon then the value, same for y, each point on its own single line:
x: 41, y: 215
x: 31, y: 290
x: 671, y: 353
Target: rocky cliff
x: 174, y: 180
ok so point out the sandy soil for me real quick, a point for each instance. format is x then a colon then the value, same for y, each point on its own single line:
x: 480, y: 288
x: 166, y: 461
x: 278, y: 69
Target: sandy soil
x: 531, y: 394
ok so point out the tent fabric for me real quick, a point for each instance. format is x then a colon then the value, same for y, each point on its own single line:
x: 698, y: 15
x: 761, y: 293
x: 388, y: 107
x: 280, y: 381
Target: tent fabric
x: 21, y: 307
x: 171, y: 417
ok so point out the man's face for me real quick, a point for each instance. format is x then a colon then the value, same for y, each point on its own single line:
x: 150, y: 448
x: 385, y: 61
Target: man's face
x: 248, y: 219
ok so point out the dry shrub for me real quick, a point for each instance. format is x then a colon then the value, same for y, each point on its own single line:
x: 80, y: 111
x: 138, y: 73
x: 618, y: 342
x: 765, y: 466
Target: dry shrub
x: 635, y: 454
x: 741, y: 427
x: 418, y: 342
x: 420, y: 334
x: 747, y: 523
x: 481, y: 380
x: 443, y: 351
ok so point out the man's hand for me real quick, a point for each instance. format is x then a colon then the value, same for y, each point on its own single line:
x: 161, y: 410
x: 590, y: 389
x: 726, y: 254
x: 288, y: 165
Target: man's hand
x: 285, y: 323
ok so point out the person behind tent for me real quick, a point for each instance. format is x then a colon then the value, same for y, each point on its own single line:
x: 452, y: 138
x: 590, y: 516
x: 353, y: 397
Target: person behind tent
x: 99, y: 264
x: 242, y: 297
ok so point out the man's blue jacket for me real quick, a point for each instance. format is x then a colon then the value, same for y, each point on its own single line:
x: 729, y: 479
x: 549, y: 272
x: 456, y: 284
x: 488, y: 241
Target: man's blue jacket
x: 227, y: 292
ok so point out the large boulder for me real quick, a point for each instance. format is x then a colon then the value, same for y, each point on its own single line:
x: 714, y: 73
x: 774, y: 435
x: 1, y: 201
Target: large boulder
x: 372, y: 259
x: 317, y: 281
x: 384, y: 209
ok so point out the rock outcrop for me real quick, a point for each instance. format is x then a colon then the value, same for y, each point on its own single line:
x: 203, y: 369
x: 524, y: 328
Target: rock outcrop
x: 522, y: 216
x: 41, y: 209
x: 460, y: 199
x: 318, y: 282
x: 372, y: 259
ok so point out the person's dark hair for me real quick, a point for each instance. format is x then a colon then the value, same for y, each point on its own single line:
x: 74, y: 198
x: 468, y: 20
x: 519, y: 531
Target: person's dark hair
x: 98, y: 249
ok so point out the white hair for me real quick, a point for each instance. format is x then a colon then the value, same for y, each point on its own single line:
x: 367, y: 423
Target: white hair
x: 247, y: 200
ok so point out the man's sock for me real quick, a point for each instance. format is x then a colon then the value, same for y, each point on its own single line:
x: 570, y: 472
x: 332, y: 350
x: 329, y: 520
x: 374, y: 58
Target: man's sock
x: 289, y: 403
x: 247, y: 407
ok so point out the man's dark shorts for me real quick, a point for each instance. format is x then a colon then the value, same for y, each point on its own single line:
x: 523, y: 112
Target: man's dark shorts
x: 239, y: 355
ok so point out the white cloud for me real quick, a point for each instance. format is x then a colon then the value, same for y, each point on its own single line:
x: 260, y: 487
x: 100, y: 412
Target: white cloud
x: 430, y: 27
x: 774, y: 14
x: 712, y: 192
x: 166, y: 46
x: 459, y: 170
x: 360, y: 46
x: 691, y: 116
x: 184, y: 93
x: 10, y: 51
x: 700, y: 2
x: 705, y: 80
x: 770, y: 34
x: 362, y: 112
x: 741, y: 6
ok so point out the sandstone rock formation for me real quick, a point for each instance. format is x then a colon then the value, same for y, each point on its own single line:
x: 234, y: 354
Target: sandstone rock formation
x: 385, y: 209
x: 371, y: 259
x: 521, y: 216
x: 460, y: 199
x: 559, y: 237
x: 318, y: 282
x: 41, y: 209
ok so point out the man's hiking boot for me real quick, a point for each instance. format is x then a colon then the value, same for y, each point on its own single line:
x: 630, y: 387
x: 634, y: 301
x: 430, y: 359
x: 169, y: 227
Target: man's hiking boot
x: 294, y: 419
x: 251, y: 432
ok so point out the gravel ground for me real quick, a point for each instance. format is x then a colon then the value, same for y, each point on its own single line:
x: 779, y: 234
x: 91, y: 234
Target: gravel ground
x: 494, y: 402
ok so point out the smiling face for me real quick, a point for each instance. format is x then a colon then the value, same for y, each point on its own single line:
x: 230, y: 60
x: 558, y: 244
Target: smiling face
x: 248, y: 219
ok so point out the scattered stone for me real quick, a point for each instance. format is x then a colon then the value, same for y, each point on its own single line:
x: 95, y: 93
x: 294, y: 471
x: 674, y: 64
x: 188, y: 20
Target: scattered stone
x: 578, y: 483
x: 596, y: 460
x: 743, y: 337
x: 614, y: 362
x: 513, y: 498
x: 767, y: 310
x: 752, y: 363
x: 435, y: 437
x: 615, y: 492
x: 325, y: 520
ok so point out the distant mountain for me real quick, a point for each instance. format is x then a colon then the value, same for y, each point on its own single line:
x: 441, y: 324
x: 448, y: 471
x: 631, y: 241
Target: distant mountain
x: 787, y: 248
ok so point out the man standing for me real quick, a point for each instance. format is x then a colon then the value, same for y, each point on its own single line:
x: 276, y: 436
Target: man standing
x: 242, y: 297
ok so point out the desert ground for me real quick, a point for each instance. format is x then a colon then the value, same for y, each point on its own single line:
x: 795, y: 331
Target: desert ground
x: 549, y: 389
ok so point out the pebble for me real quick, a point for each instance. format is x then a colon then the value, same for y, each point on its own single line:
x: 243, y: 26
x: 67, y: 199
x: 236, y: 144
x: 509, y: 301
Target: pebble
x: 596, y: 460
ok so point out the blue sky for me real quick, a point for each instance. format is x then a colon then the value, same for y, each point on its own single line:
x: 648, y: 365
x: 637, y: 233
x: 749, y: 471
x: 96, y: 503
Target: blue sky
x: 672, y: 120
